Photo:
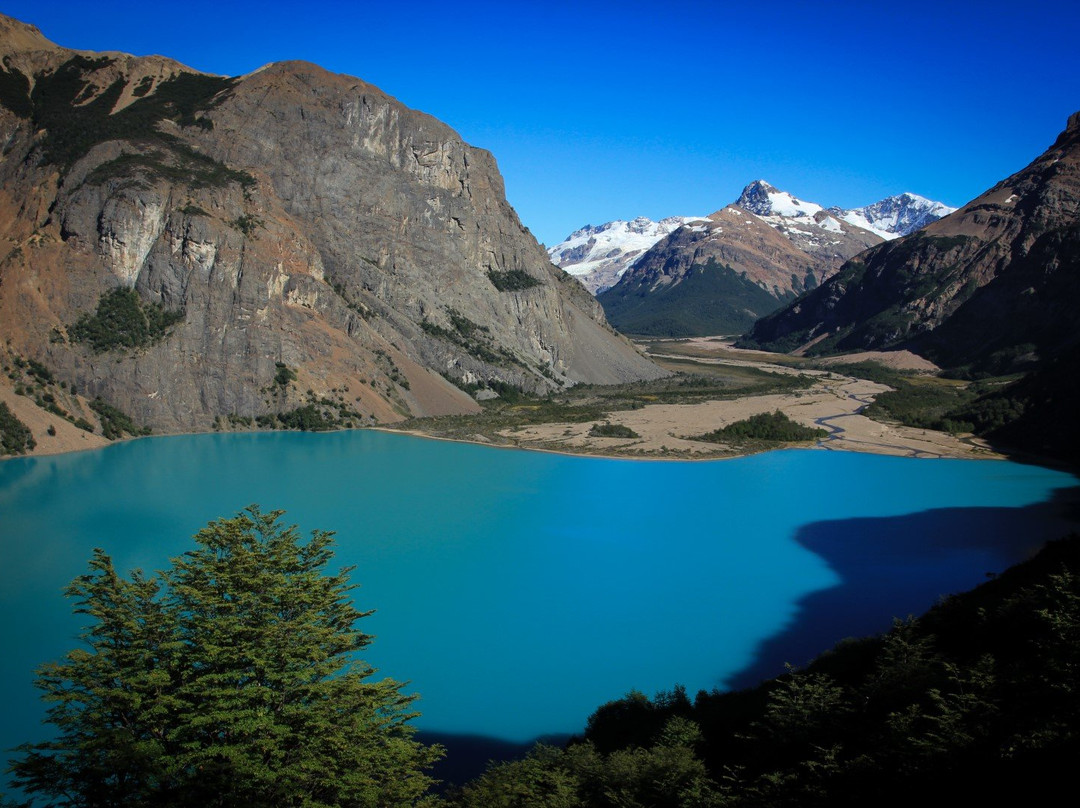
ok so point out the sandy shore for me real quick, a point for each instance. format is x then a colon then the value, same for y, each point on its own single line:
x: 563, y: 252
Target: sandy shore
x: 832, y: 404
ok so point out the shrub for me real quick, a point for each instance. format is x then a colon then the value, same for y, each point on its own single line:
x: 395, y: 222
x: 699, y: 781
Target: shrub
x: 511, y: 280
x: 122, y: 320
x: 115, y: 423
x: 15, y: 436
x: 774, y: 426
x: 609, y: 430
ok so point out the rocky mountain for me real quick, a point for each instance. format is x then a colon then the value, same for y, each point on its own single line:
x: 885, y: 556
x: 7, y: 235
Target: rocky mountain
x: 810, y: 227
x: 991, y: 288
x: 713, y: 277
x: 895, y: 216
x: 719, y: 275
x: 191, y: 248
x: 598, y: 255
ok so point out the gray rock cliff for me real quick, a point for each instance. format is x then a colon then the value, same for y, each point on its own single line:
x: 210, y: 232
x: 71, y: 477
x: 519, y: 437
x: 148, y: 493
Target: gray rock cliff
x: 296, y: 219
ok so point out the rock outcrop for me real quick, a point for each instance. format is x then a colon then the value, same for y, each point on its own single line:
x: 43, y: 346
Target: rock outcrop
x: 317, y: 241
x: 991, y: 288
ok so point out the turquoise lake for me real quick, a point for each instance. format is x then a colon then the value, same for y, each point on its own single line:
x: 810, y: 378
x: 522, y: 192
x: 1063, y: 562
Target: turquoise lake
x: 518, y: 591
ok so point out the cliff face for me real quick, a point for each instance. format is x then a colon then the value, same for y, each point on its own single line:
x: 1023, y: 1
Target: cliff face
x: 993, y: 286
x: 290, y: 218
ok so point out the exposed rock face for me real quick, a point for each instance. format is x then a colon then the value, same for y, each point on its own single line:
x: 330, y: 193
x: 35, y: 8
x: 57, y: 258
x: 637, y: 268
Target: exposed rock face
x: 993, y: 286
x: 296, y: 217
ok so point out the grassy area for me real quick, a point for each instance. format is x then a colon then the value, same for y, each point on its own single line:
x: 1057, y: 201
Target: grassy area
x: 922, y: 401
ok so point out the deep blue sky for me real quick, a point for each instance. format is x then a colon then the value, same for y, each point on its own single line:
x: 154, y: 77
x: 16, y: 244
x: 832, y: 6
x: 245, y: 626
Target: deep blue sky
x: 605, y: 110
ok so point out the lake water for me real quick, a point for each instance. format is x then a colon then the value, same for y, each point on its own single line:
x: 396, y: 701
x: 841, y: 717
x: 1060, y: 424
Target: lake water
x: 518, y: 591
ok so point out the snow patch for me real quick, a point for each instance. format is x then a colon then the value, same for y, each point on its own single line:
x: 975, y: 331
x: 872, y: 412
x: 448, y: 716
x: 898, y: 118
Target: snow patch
x: 613, y: 247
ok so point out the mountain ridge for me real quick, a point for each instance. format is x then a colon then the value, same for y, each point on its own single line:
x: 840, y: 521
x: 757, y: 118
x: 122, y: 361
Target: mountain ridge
x: 740, y: 263
x: 987, y: 286
x: 599, y: 255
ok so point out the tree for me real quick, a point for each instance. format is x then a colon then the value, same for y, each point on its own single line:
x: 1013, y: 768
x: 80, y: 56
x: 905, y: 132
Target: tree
x: 229, y: 679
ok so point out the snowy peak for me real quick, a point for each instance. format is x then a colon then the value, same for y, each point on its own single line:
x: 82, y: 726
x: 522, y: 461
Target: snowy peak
x: 809, y: 226
x: 598, y: 255
x: 763, y: 200
x: 896, y: 216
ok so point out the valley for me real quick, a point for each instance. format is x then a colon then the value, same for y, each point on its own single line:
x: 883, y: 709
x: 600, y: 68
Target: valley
x: 323, y: 302
x: 715, y: 385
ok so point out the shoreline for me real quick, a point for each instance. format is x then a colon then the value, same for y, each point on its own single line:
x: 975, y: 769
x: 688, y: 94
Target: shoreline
x: 674, y: 431
x: 820, y: 445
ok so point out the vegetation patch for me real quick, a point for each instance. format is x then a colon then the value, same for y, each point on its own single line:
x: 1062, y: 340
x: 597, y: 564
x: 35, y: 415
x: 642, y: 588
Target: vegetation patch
x: 610, y: 430
x: 123, y: 320
x: 191, y: 209
x: 247, y: 224
x: 284, y: 375
x: 511, y: 280
x: 932, y: 402
x: 15, y: 436
x: 711, y: 298
x: 474, y: 338
x: 179, y: 164
x: 775, y: 426
x: 116, y: 423
x: 73, y: 124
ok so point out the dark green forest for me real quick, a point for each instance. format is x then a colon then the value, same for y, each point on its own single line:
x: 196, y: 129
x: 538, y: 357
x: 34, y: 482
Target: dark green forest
x: 711, y: 299
x: 975, y: 702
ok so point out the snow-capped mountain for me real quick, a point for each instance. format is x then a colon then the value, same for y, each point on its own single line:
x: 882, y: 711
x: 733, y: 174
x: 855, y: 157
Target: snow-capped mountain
x: 720, y: 274
x: 809, y: 226
x: 896, y: 216
x: 765, y: 201
x: 598, y: 255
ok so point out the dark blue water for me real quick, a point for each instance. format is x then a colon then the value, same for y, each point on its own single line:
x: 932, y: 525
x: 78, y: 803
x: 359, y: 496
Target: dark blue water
x: 518, y: 591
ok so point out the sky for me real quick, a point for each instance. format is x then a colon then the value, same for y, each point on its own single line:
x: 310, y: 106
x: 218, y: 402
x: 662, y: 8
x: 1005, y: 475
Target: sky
x: 610, y: 110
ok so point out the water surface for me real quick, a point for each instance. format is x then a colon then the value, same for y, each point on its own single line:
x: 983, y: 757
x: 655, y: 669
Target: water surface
x: 518, y: 591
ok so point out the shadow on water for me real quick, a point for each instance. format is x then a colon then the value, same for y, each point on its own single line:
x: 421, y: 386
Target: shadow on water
x: 467, y: 756
x: 899, y: 566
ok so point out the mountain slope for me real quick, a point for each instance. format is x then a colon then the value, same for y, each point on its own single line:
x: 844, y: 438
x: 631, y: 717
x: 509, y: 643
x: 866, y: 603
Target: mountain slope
x: 768, y: 239
x: 289, y: 218
x: 713, y: 277
x: 992, y: 287
x: 599, y: 255
x: 895, y: 216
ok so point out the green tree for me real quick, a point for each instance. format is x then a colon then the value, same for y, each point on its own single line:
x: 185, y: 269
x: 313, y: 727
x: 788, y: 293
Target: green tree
x: 229, y: 679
